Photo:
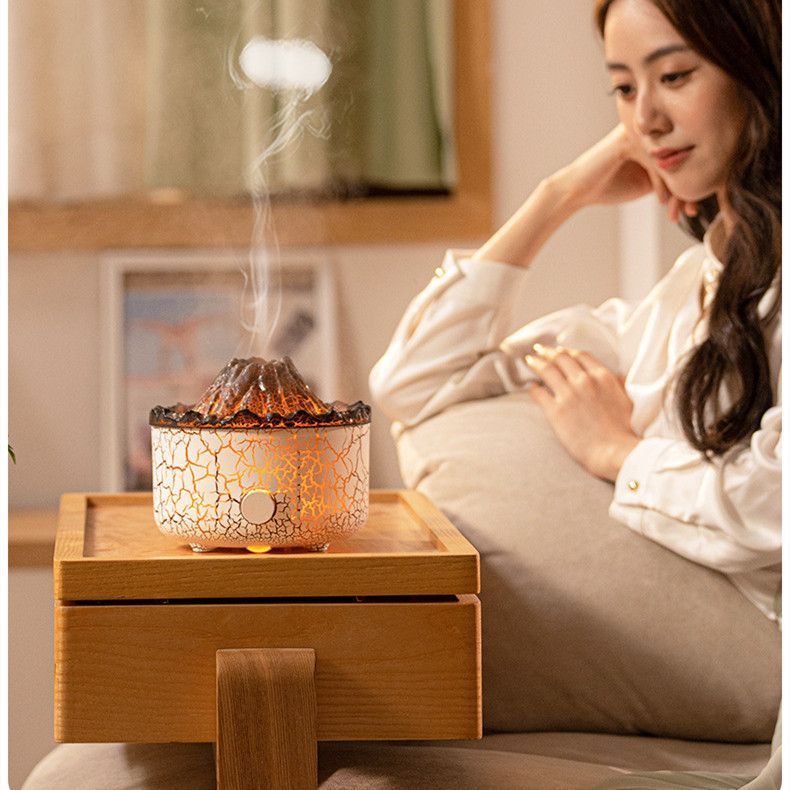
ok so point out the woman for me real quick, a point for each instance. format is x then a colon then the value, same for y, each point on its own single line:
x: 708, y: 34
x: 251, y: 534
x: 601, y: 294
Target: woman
x: 675, y: 399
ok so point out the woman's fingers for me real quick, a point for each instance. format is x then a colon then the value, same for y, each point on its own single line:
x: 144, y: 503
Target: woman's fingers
x: 574, y: 360
x: 549, y: 373
x: 590, y: 364
x: 563, y: 358
x: 659, y: 187
x: 674, y: 204
x: 673, y: 208
x: 574, y: 366
x: 564, y: 369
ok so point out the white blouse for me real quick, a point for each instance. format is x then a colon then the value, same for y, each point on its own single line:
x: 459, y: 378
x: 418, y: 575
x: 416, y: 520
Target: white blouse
x: 451, y: 346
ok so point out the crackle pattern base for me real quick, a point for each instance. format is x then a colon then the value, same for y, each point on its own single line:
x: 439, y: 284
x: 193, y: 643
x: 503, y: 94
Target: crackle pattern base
x: 317, y: 479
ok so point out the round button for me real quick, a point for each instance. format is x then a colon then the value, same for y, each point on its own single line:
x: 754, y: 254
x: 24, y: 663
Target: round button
x: 258, y: 506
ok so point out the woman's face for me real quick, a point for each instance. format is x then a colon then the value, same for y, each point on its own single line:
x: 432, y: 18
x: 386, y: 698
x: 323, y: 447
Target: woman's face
x: 685, y: 113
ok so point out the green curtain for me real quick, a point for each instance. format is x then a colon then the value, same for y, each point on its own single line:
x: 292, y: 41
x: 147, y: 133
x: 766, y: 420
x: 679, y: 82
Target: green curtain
x: 382, y: 121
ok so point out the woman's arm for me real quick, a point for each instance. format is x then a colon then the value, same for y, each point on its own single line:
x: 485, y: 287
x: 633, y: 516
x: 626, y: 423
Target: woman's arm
x: 520, y: 239
x: 613, y: 171
x: 446, y: 348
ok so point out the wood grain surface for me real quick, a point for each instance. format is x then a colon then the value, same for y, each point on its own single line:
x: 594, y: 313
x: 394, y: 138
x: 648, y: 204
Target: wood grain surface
x: 384, y: 670
x: 109, y: 548
x: 266, y: 720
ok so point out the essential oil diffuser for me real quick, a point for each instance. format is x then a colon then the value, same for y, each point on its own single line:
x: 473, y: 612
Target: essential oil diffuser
x: 260, y: 461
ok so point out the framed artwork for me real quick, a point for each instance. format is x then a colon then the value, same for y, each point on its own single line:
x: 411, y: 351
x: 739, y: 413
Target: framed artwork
x: 172, y: 320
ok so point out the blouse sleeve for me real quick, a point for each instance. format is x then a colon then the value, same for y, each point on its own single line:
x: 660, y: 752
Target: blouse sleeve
x: 451, y: 344
x: 723, y: 513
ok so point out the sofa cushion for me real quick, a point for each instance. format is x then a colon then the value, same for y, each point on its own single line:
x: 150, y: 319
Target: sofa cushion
x: 341, y: 766
x: 586, y: 624
x: 125, y: 766
x: 368, y: 766
x: 348, y: 766
x: 632, y: 752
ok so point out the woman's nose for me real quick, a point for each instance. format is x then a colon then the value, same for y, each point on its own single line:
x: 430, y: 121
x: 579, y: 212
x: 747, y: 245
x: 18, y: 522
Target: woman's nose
x: 649, y: 117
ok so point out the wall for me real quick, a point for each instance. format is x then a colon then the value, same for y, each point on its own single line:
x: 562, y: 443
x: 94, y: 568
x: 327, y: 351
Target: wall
x: 30, y: 671
x: 549, y: 105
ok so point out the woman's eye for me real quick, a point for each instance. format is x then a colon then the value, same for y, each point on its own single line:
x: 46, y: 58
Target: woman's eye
x: 675, y: 77
x: 621, y: 90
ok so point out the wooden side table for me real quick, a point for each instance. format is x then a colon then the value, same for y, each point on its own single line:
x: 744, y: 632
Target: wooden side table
x: 264, y: 654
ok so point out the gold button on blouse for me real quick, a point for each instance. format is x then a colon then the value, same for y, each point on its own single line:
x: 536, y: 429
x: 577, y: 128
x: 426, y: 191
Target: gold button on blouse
x: 633, y: 485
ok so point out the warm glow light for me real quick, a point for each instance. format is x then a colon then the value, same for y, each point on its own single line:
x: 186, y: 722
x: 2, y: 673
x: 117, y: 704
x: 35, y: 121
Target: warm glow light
x: 293, y: 64
x: 259, y: 549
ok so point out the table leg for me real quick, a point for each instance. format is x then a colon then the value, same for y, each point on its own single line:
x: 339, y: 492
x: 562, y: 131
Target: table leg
x: 266, y: 719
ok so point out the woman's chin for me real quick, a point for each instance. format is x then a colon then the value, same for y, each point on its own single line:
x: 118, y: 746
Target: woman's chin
x: 690, y: 193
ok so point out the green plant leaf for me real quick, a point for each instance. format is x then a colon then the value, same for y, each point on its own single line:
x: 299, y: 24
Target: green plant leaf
x: 12, y: 453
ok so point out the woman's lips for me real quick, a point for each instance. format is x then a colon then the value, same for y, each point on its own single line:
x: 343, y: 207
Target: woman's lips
x: 671, y: 158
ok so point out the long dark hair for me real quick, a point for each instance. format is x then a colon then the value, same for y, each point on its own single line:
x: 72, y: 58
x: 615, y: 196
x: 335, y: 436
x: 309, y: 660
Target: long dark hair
x: 743, y: 38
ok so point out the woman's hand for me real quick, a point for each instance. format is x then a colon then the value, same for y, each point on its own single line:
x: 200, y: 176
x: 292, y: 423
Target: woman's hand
x: 586, y: 405
x: 617, y: 170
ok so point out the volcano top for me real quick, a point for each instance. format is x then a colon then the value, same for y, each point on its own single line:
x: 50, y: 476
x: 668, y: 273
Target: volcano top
x: 259, y: 393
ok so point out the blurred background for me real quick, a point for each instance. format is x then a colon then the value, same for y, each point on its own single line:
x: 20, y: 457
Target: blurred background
x: 158, y: 159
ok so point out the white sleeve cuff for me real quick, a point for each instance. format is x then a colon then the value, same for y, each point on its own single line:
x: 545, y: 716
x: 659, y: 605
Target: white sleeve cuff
x: 632, y: 495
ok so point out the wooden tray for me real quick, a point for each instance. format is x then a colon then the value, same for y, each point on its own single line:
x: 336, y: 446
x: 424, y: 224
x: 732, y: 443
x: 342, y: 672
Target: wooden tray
x: 108, y: 547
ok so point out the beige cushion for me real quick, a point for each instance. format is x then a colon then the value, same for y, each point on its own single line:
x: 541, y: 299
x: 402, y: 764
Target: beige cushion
x: 342, y: 767
x: 376, y: 766
x: 634, y: 752
x: 125, y: 766
x: 587, y: 625
x: 381, y: 767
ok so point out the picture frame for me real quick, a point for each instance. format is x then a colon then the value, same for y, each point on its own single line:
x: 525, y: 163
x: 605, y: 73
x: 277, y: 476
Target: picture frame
x: 172, y: 319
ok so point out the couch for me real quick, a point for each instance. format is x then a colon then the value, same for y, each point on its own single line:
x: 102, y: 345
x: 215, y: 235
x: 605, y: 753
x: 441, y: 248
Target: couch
x: 608, y: 661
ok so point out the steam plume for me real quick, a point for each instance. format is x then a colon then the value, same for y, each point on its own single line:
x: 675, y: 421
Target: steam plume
x: 294, y: 69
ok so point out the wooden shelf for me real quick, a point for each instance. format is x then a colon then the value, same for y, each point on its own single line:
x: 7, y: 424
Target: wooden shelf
x: 109, y: 548
x: 193, y: 223
x: 31, y: 538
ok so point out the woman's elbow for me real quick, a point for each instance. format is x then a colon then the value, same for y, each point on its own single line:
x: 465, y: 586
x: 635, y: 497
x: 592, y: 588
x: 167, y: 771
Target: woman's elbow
x: 385, y: 392
x: 380, y: 381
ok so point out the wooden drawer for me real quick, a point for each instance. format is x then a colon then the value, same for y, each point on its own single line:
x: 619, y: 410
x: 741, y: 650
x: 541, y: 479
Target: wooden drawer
x: 384, y: 669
